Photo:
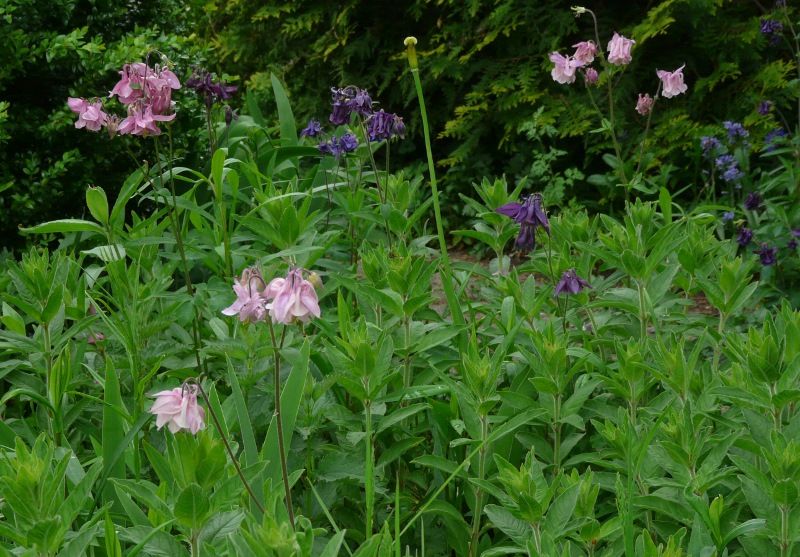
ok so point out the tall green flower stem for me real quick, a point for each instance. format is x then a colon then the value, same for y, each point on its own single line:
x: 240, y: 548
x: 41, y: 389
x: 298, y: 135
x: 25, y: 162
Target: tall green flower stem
x: 369, y: 466
x: 447, y: 272
x: 279, y: 417
x: 478, y: 511
x: 218, y: 427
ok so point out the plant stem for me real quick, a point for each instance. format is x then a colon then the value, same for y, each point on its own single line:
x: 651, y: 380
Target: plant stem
x: 642, y: 312
x: 784, y: 542
x: 279, y: 421
x: 369, y: 480
x: 218, y: 427
x: 557, y: 434
x: 194, y: 545
x: 478, y: 511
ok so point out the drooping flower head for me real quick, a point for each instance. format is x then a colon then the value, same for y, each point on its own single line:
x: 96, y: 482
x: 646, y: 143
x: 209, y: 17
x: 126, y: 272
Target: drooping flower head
x: 753, y: 201
x: 591, y: 76
x: 250, y: 304
x: 645, y: 104
x: 728, y: 216
x: 338, y: 146
x: 211, y: 91
x: 744, y: 237
x: 585, y: 52
x: 772, y: 29
x: 313, y: 129
x: 767, y: 254
x: 292, y: 298
x: 709, y: 144
x: 619, y: 50
x: 178, y: 409
x: 564, y: 68
x: 90, y: 114
x: 672, y: 82
x: 729, y: 168
x: 570, y: 283
x: 764, y: 107
x: 530, y: 215
x: 735, y: 130
x: 384, y: 126
x: 148, y: 94
x: 345, y: 101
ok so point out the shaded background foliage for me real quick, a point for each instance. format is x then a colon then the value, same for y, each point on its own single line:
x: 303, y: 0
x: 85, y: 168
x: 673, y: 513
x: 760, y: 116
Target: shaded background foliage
x: 484, y: 65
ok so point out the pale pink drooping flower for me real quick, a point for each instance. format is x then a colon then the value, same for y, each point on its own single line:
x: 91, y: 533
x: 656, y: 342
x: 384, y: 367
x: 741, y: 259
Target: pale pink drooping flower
x: 672, y: 82
x: 178, y: 409
x: 564, y: 69
x: 148, y: 93
x: 645, y: 104
x: 250, y: 304
x: 619, y: 50
x: 584, y: 52
x: 292, y: 298
x: 90, y: 114
x: 591, y: 76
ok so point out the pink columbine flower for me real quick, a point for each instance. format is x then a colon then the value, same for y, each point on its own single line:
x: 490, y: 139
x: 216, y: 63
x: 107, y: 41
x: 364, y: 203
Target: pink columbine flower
x: 178, y: 409
x: 564, y: 69
x: 590, y: 76
x: 292, y: 298
x: 250, y: 304
x: 584, y: 52
x: 141, y: 120
x: 672, y: 82
x: 90, y: 114
x: 645, y: 104
x: 619, y: 50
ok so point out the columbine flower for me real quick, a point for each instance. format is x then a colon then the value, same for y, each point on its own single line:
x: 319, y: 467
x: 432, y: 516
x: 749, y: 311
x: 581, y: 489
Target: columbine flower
x: 792, y: 244
x: 347, y: 100
x: 764, y: 107
x: 211, y: 91
x: 384, y: 126
x: 773, y: 139
x: 735, y: 129
x: 141, y: 120
x: 745, y: 236
x: 139, y: 81
x: 672, y: 82
x: 584, y: 52
x: 729, y: 168
x: 292, y: 298
x: 313, y: 129
x: 645, y: 104
x: 772, y: 29
x: 250, y: 304
x: 619, y: 50
x: 728, y: 216
x: 753, y: 201
x: 767, y: 254
x: 90, y: 114
x: 178, y: 409
x: 530, y: 215
x: 570, y: 283
x: 709, y: 144
x: 590, y: 76
x: 338, y: 146
x: 564, y: 68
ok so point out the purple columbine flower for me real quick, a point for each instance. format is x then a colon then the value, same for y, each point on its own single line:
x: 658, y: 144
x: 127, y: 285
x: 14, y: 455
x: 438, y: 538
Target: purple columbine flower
x: 570, y: 283
x: 792, y: 244
x: 211, y: 91
x: 735, y: 129
x: 744, y: 237
x: 346, y: 100
x: 772, y: 28
x: 709, y: 144
x: 313, y: 129
x: 753, y: 201
x: 530, y: 214
x: 384, y: 126
x: 764, y: 107
x: 773, y: 139
x: 767, y: 254
x: 338, y: 146
x: 728, y: 216
x: 729, y: 168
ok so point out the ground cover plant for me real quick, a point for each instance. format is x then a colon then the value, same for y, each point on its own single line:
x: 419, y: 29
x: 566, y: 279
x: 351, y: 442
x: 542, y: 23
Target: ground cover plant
x: 279, y: 353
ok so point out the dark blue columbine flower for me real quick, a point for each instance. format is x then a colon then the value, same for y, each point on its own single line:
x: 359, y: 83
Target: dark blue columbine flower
x: 735, y: 129
x: 792, y: 244
x: 384, y: 126
x: 764, y: 107
x: 753, y: 201
x: 211, y: 91
x: 530, y: 215
x: 570, y: 283
x: 728, y: 216
x: 729, y: 168
x: 709, y: 144
x: 361, y: 103
x: 313, y: 129
x: 346, y: 100
x: 745, y: 236
x: 772, y: 29
x: 767, y: 254
x: 773, y: 139
x: 339, y: 146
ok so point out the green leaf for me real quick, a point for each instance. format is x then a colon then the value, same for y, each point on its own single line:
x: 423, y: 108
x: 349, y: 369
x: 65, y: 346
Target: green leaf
x: 97, y: 202
x: 113, y: 426
x: 192, y: 506
x: 516, y: 529
x: 220, y: 525
x: 285, y: 116
x: 63, y: 226
x: 333, y: 546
